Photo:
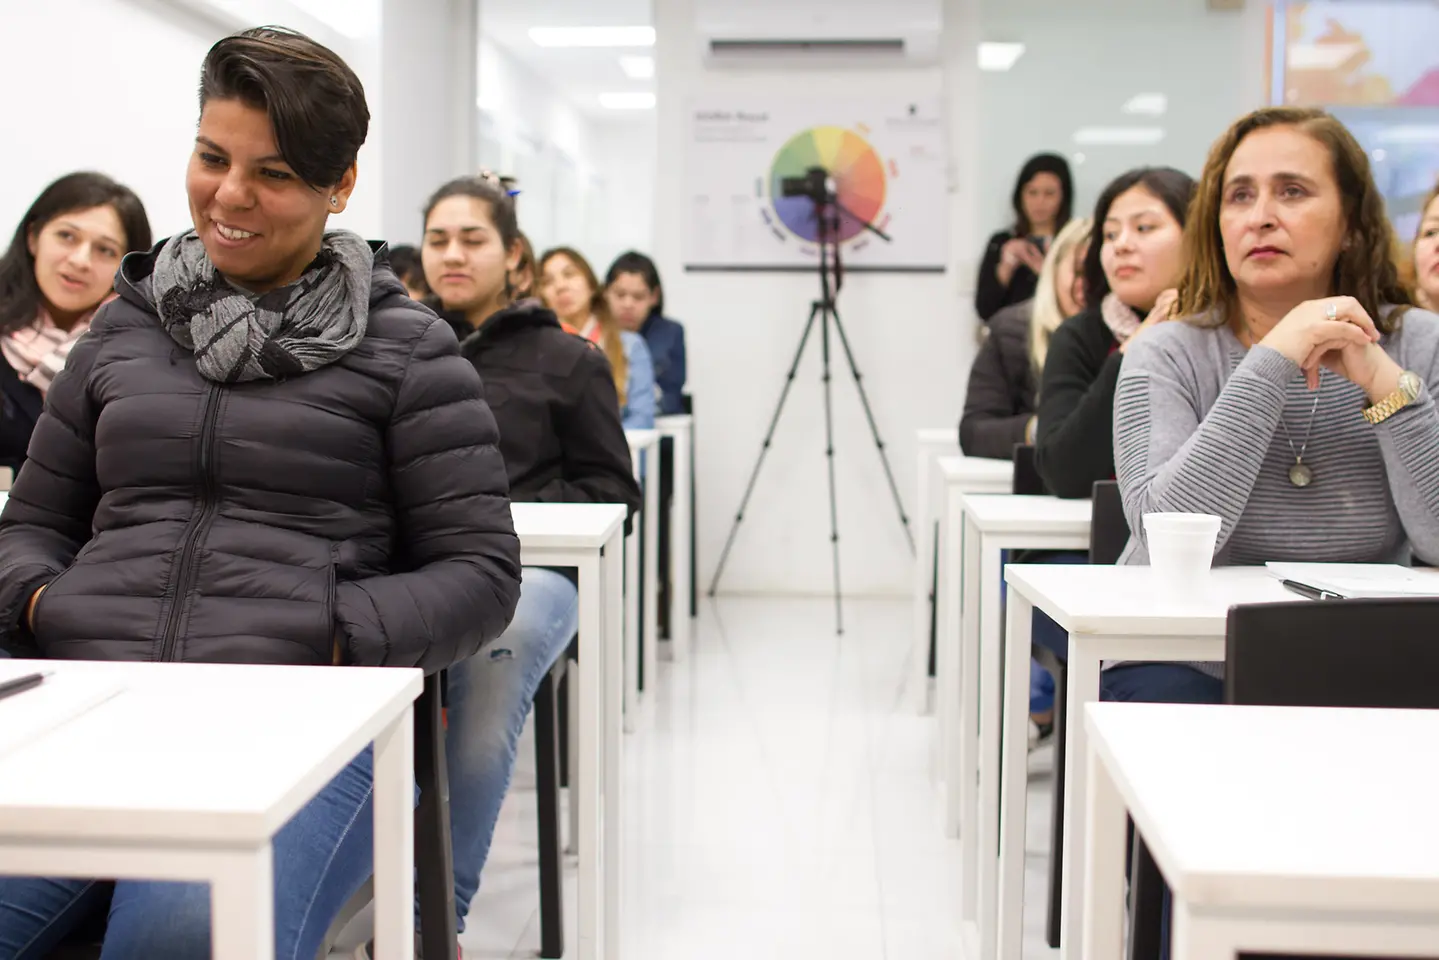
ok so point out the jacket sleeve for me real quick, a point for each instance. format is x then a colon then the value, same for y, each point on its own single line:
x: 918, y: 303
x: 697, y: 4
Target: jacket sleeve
x: 1074, y: 441
x: 640, y: 394
x: 992, y: 425
x: 989, y: 293
x: 458, y: 576
x: 672, y: 377
x: 592, y: 442
x: 51, y: 509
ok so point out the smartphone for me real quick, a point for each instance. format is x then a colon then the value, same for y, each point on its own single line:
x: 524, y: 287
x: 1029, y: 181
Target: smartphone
x: 1042, y: 243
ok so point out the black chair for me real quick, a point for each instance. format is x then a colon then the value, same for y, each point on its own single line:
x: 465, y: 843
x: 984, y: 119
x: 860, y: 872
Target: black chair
x: 1336, y: 653
x: 689, y: 408
x: 1027, y: 481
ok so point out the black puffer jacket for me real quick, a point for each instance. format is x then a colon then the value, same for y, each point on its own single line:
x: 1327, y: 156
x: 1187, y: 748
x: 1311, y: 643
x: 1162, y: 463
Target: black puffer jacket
x: 179, y: 519
x: 555, y: 402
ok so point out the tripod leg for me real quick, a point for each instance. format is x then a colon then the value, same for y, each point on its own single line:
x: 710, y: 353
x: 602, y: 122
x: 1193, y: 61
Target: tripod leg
x: 873, y: 428
x: 829, y: 455
x: 815, y: 311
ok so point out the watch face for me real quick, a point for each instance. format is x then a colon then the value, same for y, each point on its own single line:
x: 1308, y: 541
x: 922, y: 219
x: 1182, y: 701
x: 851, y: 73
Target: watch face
x: 1410, y: 384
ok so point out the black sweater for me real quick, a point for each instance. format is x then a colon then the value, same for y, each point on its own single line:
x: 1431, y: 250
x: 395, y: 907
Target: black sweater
x: 555, y: 404
x: 990, y: 296
x: 1000, y: 398
x: 1074, y: 442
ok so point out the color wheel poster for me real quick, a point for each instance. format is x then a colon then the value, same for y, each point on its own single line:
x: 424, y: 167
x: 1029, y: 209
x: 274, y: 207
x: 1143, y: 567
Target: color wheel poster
x: 884, y: 161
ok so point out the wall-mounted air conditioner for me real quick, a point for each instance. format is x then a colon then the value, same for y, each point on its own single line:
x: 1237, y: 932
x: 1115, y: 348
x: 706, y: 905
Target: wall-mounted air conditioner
x: 892, y: 47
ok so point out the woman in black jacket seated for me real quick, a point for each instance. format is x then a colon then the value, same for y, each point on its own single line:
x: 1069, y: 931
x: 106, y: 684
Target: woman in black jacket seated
x: 58, y: 271
x: 560, y: 435
x: 262, y: 452
x: 1043, y: 200
x: 1133, y: 265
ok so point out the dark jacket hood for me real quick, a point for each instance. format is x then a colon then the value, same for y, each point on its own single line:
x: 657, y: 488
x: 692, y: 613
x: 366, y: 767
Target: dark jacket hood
x: 524, y: 315
x: 132, y: 282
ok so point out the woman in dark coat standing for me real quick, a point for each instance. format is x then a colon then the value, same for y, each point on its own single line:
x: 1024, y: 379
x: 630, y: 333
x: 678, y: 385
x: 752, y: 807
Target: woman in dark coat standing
x: 1043, y: 200
x: 262, y: 452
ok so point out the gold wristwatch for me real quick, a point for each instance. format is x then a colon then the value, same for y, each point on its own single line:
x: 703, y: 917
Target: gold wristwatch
x: 1408, y: 392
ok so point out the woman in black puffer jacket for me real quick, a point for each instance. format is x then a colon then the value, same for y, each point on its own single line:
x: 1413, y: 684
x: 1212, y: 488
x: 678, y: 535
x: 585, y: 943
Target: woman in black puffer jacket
x: 262, y: 452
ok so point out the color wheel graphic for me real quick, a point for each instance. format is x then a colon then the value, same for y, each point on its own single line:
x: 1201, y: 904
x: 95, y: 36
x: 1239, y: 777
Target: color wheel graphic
x: 856, y: 168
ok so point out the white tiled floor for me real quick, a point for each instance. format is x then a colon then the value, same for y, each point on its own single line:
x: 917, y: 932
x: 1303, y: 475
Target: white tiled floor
x: 780, y: 804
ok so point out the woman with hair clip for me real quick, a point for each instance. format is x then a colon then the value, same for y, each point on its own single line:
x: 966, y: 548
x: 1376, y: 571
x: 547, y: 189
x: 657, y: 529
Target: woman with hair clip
x: 1132, y: 265
x: 262, y: 452
x: 562, y: 441
x: 569, y: 287
x: 632, y: 287
x: 1292, y: 399
x: 1043, y: 201
x: 58, y: 271
x: 1424, y: 256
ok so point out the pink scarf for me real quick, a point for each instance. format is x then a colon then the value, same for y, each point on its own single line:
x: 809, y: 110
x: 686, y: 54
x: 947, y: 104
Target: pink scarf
x: 38, y: 352
x: 1118, y: 317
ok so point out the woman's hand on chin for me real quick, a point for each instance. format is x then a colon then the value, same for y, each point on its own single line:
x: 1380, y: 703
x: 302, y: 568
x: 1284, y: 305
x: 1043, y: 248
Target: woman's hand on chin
x: 1335, y: 332
x: 1161, y: 312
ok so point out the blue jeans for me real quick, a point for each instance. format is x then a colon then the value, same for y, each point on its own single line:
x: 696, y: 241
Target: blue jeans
x: 321, y: 857
x: 489, y: 698
x: 1159, y: 683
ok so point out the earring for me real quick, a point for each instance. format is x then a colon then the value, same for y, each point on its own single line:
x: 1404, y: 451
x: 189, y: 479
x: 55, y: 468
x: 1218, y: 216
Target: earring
x: 334, y: 201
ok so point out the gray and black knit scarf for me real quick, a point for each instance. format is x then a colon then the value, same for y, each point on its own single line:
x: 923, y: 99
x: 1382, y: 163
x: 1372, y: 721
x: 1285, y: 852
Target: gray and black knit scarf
x: 238, y: 336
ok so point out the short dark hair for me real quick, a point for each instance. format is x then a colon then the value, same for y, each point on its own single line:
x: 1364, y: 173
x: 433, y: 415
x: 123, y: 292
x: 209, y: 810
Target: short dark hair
x: 20, y: 297
x: 405, y: 261
x: 501, y: 204
x: 636, y: 262
x: 1174, y: 188
x: 313, y: 99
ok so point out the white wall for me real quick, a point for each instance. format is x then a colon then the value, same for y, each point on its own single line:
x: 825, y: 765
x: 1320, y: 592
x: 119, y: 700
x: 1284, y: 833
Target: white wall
x: 625, y: 160
x: 122, y: 100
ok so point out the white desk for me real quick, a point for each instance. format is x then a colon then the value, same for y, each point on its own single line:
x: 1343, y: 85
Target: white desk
x: 102, y: 795
x: 1111, y: 613
x: 992, y: 524
x: 643, y: 633
x: 932, y: 444
x: 589, y: 537
x: 1279, y: 829
x: 680, y: 429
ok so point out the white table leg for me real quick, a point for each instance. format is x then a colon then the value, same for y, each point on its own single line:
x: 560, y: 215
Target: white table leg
x: 595, y: 617
x: 612, y: 784
x: 680, y: 624
x: 991, y: 674
x: 950, y: 678
x: 242, y: 905
x: 923, y: 577
x: 1082, y: 689
x: 394, y: 801
x: 966, y: 722
x: 631, y: 662
x: 1103, y: 863
x: 651, y: 625
x: 1014, y: 779
x: 1199, y: 938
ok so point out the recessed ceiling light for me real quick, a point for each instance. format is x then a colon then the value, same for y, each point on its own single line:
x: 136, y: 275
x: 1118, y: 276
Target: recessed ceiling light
x: 999, y: 56
x: 1119, y: 136
x: 593, y: 36
x: 1147, y: 104
x: 638, y: 68
x: 631, y: 100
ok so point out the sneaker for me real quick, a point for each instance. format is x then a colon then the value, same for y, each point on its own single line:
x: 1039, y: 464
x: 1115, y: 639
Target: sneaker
x: 1039, y: 734
x: 366, y: 950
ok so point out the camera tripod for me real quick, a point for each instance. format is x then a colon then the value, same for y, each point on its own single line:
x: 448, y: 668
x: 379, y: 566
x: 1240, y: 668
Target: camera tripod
x: 827, y: 208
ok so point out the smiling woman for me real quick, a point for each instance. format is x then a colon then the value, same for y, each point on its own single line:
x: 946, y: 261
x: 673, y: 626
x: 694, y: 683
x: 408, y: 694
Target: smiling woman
x: 296, y: 466
x: 58, y: 270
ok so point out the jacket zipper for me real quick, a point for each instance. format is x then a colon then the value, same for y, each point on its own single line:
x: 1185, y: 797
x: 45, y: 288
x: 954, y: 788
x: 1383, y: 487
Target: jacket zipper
x: 186, y: 582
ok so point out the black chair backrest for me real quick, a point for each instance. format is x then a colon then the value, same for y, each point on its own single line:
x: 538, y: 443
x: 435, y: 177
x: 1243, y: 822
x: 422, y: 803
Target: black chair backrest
x: 1334, y: 653
x: 1027, y: 481
x: 1108, y: 530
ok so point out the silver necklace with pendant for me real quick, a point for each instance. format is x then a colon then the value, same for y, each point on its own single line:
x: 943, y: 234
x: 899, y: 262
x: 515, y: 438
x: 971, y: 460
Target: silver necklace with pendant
x: 1301, y: 474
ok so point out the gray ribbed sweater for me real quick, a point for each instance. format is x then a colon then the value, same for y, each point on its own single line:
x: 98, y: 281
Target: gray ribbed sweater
x: 1197, y: 429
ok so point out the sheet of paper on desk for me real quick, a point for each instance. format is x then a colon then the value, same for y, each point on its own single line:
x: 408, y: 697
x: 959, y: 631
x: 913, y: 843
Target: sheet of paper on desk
x: 30, y: 715
x: 1354, y: 580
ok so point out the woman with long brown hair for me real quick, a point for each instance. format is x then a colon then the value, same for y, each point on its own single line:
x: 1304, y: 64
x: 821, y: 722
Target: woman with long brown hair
x: 1291, y: 400
x: 568, y: 286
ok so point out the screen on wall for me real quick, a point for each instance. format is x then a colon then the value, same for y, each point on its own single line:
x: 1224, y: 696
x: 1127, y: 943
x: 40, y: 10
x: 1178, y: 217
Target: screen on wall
x: 884, y: 162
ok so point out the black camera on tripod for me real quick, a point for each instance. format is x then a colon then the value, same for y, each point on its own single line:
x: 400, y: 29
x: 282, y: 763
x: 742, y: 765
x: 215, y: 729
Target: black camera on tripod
x: 814, y: 184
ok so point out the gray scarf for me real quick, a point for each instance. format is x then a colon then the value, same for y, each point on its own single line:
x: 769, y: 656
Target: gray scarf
x: 238, y: 336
